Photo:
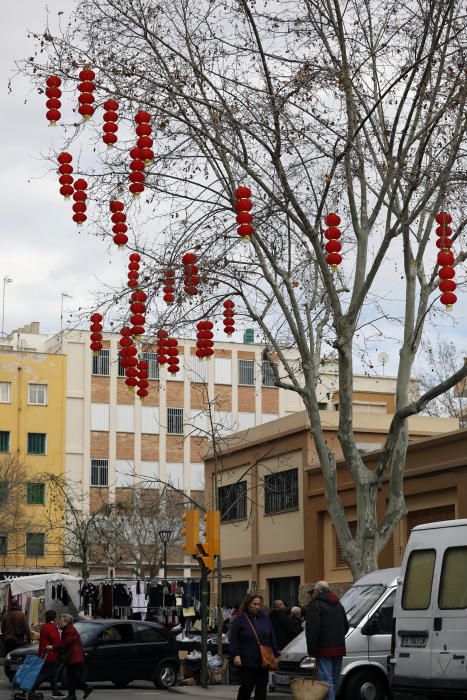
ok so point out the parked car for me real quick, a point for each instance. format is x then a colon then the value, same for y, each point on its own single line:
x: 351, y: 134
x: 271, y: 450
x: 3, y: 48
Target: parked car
x: 430, y: 614
x: 369, y: 607
x: 119, y: 651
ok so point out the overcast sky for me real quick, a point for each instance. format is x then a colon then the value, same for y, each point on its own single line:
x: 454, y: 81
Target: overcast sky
x: 43, y: 251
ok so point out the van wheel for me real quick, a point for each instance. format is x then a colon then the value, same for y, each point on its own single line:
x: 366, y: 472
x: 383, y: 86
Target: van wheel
x: 365, y: 685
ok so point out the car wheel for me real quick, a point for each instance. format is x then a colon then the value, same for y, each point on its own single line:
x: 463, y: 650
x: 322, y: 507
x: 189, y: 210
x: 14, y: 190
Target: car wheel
x: 365, y: 685
x: 165, y: 676
x: 121, y: 684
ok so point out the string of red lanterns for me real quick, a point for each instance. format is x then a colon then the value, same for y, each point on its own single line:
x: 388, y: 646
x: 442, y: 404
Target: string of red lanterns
x: 161, y: 347
x: 332, y: 234
x: 126, y: 341
x: 137, y: 306
x: 169, y: 287
x: 80, y: 197
x: 86, y: 88
x: 119, y: 223
x: 110, y: 127
x: 204, y: 339
x: 445, y: 259
x: 172, y: 351
x: 229, y: 313
x: 96, y: 333
x: 243, y: 206
x: 142, y: 381
x: 191, y: 278
x: 140, y: 155
x: 65, y: 169
x: 53, y: 103
x: 133, y: 270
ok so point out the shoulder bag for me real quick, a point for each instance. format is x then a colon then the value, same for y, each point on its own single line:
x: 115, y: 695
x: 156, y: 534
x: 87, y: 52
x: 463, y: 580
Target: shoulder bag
x: 266, y: 654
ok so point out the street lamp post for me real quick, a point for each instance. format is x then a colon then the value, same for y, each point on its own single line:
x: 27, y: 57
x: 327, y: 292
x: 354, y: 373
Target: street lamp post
x: 6, y: 280
x: 64, y: 295
x: 165, y: 536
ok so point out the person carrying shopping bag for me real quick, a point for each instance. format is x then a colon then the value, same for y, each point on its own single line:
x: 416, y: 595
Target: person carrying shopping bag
x: 253, y: 648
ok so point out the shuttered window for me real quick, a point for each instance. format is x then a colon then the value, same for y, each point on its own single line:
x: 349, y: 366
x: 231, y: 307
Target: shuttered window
x: 125, y: 418
x: 100, y: 416
x: 429, y: 515
x: 340, y: 561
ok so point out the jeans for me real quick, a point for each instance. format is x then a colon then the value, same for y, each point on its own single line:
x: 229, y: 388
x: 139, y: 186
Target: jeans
x: 252, y: 678
x: 329, y: 671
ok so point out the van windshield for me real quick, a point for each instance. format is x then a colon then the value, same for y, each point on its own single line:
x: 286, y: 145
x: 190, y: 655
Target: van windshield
x: 358, y: 600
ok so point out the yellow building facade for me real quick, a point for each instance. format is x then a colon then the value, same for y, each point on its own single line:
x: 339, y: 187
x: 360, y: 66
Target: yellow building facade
x: 32, y: 450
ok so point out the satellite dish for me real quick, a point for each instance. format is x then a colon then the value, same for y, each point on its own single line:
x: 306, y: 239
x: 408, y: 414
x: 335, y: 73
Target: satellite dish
x: 383, y: 358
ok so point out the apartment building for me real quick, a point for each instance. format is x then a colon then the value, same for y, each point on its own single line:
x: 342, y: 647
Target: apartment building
x: 32, y: 442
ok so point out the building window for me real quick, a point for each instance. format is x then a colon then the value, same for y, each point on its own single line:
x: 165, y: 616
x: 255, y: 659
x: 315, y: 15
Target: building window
x: 99, y: 472
x: 340, y: 561
x: 268, y: 374
x: 281, y: 491
x: 233, y: 593
x: 4, y: 440
x: 121, y: 369
x: 429, y: 515
x: 5, y: 392
x: 3, y: 545
x: 35, y: 494
x: 285, y: 589
x: 35, y: 544
x: 36, y: 443
x: 101, y: 363
x: 232, y: 502
x: 153, y: 365
x: 38, y: 394
x: 246, y: 372
x: 175, y: 421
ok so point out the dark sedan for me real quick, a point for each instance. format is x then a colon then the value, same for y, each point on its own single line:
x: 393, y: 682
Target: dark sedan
x: 120, y: 651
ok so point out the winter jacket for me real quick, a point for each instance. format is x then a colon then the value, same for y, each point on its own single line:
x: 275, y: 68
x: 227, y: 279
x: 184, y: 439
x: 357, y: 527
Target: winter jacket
x: 326, y: 626
x: 15, y: 626
x: 283, y: 626
x: 243, y: 642
x: 50, y: 636
x: 70, y: 645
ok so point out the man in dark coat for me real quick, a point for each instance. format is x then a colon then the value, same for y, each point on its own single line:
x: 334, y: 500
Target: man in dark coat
x: 326, y: 626
x: 15, y: 628
x: 282, y: 624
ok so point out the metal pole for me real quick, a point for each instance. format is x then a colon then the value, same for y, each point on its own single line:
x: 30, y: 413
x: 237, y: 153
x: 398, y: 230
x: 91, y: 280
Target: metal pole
x: 165, y: 559
x: 220, y: 620
x: 204, y: 627
x: 6, y: 280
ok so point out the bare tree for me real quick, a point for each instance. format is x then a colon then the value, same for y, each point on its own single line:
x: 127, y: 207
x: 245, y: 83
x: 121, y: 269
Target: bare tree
x: 13, y: 516
x: 357, y: 108
x: 440, y: 360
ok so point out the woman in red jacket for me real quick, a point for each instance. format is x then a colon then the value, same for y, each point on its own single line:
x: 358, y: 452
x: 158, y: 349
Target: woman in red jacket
x: 72, y: 652
x: 49, y: 640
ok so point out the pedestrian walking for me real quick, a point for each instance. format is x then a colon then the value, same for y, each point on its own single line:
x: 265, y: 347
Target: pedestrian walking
x: 326, y: 625
x: 49, y: 641
x: 71, y: 651
x: 15, y: 628
x: 282, y: 624
x: 296, y: 618
x: 250, y: 628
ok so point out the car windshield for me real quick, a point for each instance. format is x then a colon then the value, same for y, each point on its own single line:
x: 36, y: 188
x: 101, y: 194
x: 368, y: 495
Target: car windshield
x: 358, y: 600
x: 87, y: 630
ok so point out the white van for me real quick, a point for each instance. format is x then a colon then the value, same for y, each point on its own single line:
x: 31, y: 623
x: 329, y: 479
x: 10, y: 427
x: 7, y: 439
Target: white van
x: 369, y: 607
x: 430, y: 631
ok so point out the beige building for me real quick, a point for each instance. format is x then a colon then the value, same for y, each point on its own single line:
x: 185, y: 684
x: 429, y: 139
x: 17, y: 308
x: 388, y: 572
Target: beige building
x: 276, y: 533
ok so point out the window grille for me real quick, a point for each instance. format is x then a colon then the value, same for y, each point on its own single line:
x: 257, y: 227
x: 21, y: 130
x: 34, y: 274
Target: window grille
x: 233, y: 593
x: 268, y: 374
x: 4, y: 440
x: 175, y: 421
x: 99, y: 472
x: 232, y: 501
x: 120, y: 368
x: 38, y: 394
x: 246, y: 372
x: 101, y: 363
x: 153, y: 365
x: 35, y: 544
x: 36, y: 443
x: 35, y: 494
x: 340, y: 561
x: 281, y: 491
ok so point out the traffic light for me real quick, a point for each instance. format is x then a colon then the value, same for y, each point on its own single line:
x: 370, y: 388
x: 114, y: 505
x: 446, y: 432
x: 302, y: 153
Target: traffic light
x: 205, y: 559
x: 191, y: 532
x: 212, y: 543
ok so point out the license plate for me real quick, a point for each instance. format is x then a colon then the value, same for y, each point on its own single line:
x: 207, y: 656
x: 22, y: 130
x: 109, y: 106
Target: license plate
x: 281, y: 679
x: 413, y: 642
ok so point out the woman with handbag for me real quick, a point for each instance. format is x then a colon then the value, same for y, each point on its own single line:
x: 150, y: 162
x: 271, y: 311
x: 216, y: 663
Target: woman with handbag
x: 253, y: 648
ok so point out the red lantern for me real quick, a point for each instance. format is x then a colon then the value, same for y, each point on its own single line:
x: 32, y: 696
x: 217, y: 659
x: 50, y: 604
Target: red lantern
x: 242, y: 206
x: 443, y: 217
x: 443, y: 231
x: 444, y: 243
x: 86, y: 88
x: 333, y: 246
x: 447, y: 272
x: 448, y: 299
x: 110, y: 127
x: 447, y: 286
x: 115, y: 206
x: 64, y: 157
x: 131, y: 382
x: 332, y: 219
x: 53, y: 103
x: 139, y: 295
x: 445, y: 257
x: 136, y: 188
x: 191, y: 278
x: 334, y: 259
